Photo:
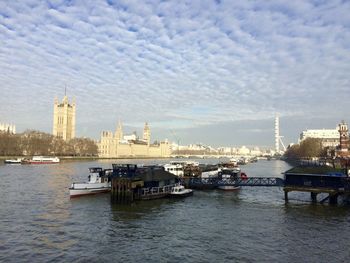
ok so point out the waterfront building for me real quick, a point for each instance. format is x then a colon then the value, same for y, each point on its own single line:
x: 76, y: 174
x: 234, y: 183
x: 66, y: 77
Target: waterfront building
x: 243, y: 150
x: 225, y: 150
x: 64, y: 119
x: 118, y: 145
x: 255, y: 151
x: 10, y: 128
x: 329, y: 137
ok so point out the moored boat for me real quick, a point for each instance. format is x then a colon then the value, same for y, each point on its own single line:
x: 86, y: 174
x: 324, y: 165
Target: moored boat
x: 98, y: 182
x: 13, y: 161
x: 175, y: 168
x: 179, y: 191
x: 183, y: 168
x: 41, y: 160
x: 228, y: 179
x: 228, y: 187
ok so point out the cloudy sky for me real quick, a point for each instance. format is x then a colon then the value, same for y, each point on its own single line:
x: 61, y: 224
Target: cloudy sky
x: 214, y: 72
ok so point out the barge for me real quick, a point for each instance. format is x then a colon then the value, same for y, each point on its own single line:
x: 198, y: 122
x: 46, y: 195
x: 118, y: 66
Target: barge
x: 131, y: 183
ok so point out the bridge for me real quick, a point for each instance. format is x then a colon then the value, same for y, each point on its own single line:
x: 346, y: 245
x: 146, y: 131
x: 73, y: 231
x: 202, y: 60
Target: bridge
x: 210, y: 183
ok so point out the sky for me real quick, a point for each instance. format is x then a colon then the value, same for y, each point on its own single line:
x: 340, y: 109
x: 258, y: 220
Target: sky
x: 198, y: 71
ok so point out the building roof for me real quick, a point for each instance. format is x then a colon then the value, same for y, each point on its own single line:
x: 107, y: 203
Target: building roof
x: 145, y: 173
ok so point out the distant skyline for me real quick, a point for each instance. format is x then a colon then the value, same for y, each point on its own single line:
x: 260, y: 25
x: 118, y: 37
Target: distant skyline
x: 214, y: 72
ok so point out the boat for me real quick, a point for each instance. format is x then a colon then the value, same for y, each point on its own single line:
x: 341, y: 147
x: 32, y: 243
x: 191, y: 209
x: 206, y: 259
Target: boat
x: 41, y: 160
x: 175, y: 168
x: 13, y: 161
x: 179, y: 191
x: 183, y: 168
x: 98, y: 182
x: 243, y: 161
x: 227, y: 179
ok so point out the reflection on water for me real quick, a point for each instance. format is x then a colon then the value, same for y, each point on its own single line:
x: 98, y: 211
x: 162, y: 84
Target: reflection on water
x: 39, y: 222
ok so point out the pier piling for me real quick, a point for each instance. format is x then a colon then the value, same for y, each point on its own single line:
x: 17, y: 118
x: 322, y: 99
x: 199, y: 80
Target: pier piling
x: 122, y: 190
x: 285, y: 196
x: 314, y: 197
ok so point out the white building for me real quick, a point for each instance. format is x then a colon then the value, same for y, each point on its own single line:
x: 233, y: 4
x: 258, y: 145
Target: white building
x: 225, y: 150
x: 243, y: 150
x: 10, y: 128
x: 329, y: 137
x: 255, y: 151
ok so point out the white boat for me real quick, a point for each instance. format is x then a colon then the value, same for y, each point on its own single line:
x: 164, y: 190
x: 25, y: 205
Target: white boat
x: 13, y: 161
x: 182, y: 168
x: 41, y: 160
x: 179, y: 190
x: 228, y: 187
x: 233, y: 161
x: 175, y: 168
x: 228, y: 179
x: 99, y: 182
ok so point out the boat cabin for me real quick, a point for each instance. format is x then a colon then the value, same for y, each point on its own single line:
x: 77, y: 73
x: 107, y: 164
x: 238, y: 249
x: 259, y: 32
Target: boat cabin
x: 177, y: 189
x: 176, y: 169
x: 98, y: 175
x: 229, y: 173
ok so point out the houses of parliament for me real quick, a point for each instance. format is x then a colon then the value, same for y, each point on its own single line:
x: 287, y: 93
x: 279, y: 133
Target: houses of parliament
x: 110, y: 145
x: 117, y: 145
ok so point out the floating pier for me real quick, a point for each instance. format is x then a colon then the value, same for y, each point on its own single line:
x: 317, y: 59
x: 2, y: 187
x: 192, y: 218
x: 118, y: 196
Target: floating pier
x: 131, y: 183
x: 316, y: 180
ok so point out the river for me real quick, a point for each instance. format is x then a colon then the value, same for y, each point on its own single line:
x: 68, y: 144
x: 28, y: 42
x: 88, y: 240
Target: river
x: 40, y: 223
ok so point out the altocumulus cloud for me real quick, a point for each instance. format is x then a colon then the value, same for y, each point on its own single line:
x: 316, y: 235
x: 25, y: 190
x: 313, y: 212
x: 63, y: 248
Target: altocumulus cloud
x: 179, y: 64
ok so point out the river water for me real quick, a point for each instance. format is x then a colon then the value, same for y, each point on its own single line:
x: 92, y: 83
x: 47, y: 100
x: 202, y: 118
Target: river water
x: 40, y: 223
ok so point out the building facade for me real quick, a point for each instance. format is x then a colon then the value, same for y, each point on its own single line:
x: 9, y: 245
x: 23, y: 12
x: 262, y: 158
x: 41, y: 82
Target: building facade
x: 118, y: 145
x: 329, y: 137
x: 64, y: 119
x: 343, y: 133
x: 10, y: 128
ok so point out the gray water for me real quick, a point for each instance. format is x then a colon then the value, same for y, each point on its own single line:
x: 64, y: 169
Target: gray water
x: 40, y: 223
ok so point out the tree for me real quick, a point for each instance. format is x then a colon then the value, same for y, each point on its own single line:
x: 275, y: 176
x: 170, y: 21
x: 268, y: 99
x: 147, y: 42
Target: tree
x: 33, y: 142
x: 9, y: 144
x: 293, y: 152
x: 310, y: 147
x: 83, y: 147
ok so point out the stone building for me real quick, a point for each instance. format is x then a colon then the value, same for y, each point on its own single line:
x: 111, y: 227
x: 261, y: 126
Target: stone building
x: 328, y: 137
x: 64, y: 119
x: 118, y: 145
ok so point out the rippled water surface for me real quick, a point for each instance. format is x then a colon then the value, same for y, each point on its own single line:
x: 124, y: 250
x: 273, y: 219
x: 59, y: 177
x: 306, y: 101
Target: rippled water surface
x: 40, y: 223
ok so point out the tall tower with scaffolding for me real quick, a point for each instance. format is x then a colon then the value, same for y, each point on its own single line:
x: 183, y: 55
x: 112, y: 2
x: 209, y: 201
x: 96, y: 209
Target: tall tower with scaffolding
x: 278, y: 138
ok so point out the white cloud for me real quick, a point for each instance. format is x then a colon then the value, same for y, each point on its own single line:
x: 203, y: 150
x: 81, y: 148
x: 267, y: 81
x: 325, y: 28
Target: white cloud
x: 178, y: 63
